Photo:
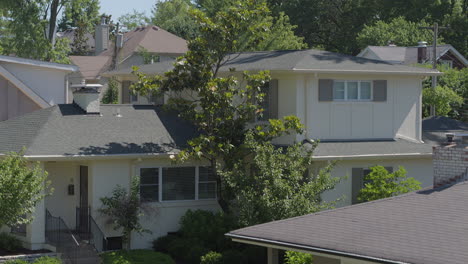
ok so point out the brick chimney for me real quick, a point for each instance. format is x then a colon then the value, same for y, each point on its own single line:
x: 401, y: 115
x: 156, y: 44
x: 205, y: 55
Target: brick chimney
x: 102, y: 36
x: 86, y: 96
x: 422, y: 51
x: 450, y: 160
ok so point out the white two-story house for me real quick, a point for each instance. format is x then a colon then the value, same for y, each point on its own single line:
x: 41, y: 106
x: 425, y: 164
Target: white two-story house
x: 364, y: 112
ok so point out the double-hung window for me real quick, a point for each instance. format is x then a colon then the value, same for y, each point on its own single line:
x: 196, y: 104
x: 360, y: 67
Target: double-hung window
x: 352, y: 90
x: 206, y: 183
x: 149, y: 184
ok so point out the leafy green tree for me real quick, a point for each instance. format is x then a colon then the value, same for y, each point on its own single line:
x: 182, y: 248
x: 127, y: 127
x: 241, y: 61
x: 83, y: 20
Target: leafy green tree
x: 278, y: 185
x: 174, y: 16
x: 222, y: 109
x: 293, y: 257
x: 23, y: 185
x: 29, y: 25
x: 124, y: 209
x: 112, y: 93
x: 399, y: 31
x: 380, y: 183
x: 132, y: 20
x: 443, y: 98
x: 80, y: 13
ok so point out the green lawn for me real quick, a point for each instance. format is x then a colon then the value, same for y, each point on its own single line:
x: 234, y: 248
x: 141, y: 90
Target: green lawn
x: 139, y: 256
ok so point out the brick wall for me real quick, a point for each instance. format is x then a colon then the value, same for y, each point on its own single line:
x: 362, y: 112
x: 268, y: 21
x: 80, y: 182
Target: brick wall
x: 450, y: 164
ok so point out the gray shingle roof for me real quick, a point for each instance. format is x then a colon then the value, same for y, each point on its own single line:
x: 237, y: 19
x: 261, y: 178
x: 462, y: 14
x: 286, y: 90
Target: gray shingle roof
x: 425, y: 227
x: 371, y: 148
x: 435, y: 128
x: 295, y: 60
x: 66, y: 130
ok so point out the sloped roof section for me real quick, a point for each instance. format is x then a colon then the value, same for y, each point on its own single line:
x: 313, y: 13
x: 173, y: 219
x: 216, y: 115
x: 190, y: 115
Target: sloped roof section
x: 435, y: 129
x: 38, y: 63
x: 152, y: 38
x: 65, y: 130
x: 298, y: 60
x: 425, y: 227
x: 90, y: 67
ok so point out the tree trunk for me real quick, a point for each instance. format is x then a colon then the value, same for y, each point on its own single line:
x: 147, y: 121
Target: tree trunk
x: 53, y: 21
x: 219, y: 193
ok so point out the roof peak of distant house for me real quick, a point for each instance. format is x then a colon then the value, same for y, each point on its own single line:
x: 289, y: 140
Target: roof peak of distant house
x: 38, y: 63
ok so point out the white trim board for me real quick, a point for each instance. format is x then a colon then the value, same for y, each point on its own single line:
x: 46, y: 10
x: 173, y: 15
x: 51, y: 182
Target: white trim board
x: 38, y: 63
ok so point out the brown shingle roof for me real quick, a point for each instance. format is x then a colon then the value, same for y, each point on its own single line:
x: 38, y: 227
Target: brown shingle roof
x: 91, y: 66
x: 154, y: 39
x: 423, y: 227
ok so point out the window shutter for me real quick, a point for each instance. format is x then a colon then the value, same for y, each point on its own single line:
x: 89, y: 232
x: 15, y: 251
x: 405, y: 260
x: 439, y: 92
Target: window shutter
x: 126, y: 92
x: 357, y: 183
x: 389, y: 169
x: 380, y: 90
x: 273, y: 98
x: 325, y: 90
x: 157, y: 99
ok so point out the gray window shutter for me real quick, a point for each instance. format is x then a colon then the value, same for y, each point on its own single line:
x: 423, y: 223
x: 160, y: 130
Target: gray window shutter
x: 325, y: 90
x: 380, y: 90
x: 356, y: 183
x: 389, y: 169
x: 273, y: 98
x: 126, y: 92
x: 157, y: 99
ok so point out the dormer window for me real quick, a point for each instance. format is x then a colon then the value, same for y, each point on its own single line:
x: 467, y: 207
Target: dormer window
x: 352, y: 90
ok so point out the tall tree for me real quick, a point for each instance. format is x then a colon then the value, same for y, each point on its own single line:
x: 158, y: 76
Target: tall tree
x: 174, y: 16
x: 28, y: 25
x: 83, y: 13
x: 223, y: 109
x: 131, y: 20
x: 398, y: 31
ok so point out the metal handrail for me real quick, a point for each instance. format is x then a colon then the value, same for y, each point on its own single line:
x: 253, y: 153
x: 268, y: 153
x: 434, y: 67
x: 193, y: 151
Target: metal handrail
x: 59, y: 235
x: 96, y: 236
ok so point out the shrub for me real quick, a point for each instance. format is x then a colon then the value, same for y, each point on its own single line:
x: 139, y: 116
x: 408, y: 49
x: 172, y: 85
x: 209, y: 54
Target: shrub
x: 47, y: 260
x: 188, y: 250
x: 212, y: 258
x: 234, y: 256
x: 16, y: 261
x: 136, y: 257
x: 293, y: 257
x: 9, y: 242
x: 161, y: 244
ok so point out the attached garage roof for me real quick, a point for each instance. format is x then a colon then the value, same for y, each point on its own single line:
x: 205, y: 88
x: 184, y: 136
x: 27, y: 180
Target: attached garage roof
x: 425, y: 227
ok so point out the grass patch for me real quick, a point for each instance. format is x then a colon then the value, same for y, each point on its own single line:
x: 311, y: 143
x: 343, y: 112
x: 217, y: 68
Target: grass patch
x: 139, y: 256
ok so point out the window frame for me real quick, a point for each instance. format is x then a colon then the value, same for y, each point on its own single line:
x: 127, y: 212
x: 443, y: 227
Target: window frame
x: 359, y: 99
x: 160, y: 184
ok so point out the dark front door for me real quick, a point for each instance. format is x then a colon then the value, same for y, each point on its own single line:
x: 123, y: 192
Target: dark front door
x: 83, y: 210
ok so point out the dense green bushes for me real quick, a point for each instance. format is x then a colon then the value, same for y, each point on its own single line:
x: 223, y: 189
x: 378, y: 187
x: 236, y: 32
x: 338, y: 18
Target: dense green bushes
x: 42, y: 260
x: 201, y: 234
x: 9, y: 242
x: 136, y: 257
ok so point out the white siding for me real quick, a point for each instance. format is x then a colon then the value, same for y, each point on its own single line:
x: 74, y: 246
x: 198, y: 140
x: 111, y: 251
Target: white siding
x: 421, y: 169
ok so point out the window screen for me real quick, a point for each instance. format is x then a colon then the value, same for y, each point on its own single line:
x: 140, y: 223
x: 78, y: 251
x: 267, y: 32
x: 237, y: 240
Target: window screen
x: 206, y: 183
x: 178, y: 183
x: 149, y: 184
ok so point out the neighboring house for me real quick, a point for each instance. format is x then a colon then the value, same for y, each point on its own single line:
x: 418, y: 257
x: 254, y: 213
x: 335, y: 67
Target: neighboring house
x: 445, y: 54
x: 140, y: 46
x: 28, y: 85
x: 364, y: 112
x: 423, y: 227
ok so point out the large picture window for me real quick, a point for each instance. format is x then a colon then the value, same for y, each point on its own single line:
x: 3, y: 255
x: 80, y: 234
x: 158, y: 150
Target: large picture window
x: 352, y: 90
x: 178, y: 183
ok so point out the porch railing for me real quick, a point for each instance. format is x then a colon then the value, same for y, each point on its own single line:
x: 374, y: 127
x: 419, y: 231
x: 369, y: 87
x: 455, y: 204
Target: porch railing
x: 89, y: 229
x: 59, y: 235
